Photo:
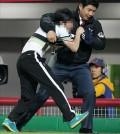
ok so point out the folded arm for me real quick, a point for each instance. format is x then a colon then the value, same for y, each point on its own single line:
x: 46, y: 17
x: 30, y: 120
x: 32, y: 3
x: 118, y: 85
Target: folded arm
x: 73, y: 44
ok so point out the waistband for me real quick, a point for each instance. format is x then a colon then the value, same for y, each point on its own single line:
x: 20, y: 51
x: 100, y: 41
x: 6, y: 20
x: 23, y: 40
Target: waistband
x: 32, y: 53
x: 66, y: 63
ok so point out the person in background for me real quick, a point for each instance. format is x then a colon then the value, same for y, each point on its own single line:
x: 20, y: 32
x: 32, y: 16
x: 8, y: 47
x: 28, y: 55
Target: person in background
x: 73, y: 65
x: 33, y: 70
x: 103, y: 86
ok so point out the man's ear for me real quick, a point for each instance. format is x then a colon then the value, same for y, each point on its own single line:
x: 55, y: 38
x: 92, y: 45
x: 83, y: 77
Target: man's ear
x: 80, y: 6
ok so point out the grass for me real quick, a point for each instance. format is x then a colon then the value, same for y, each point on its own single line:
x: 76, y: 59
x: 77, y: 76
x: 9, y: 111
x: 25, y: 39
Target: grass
x: 4, y: 132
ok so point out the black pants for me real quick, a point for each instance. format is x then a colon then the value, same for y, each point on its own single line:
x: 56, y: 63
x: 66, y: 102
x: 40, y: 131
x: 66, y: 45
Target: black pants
x: 33, y: 70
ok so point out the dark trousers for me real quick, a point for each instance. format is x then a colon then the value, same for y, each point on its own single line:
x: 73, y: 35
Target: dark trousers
x: 81, y: 77
x: 32, y: 70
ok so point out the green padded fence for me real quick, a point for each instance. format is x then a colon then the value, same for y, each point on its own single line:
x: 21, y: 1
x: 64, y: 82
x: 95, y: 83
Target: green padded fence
x: 44, y: 123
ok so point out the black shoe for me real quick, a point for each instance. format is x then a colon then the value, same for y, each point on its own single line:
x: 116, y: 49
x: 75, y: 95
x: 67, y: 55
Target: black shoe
x: 86, y: 130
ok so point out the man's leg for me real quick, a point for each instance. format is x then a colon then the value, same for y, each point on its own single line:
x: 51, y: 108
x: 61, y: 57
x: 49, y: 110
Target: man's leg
x: 40, y: 98
x: 28, y: 90
x: 83, y: 81
x: 38, y: 101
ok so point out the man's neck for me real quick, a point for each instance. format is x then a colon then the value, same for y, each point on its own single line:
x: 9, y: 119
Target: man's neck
x: 81, y: 20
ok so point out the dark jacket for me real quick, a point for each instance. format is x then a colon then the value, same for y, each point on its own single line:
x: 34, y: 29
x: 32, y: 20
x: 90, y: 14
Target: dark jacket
x: 65, y: 55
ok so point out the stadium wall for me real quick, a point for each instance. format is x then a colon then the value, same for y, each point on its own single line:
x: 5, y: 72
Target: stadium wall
x: 106, y: 125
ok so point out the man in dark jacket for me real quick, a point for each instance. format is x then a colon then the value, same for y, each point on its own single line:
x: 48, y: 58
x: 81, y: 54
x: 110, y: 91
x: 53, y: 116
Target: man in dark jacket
x: 74, y: 65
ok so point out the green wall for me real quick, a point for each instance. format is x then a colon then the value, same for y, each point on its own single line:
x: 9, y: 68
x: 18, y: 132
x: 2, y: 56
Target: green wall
x: 115, y: 78
x: 106, y: 125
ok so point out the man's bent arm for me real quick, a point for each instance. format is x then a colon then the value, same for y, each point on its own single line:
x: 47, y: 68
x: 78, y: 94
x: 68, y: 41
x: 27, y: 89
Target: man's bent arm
x: 47, y: 22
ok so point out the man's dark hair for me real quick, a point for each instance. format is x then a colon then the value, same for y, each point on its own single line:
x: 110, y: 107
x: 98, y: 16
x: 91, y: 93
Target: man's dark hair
x: 64, y: 15
x: 95, y: 3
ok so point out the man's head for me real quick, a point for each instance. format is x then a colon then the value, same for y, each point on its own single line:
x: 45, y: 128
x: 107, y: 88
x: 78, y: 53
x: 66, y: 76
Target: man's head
x: 64, y: 17
x: 87, y: 8
x: 97, y: 66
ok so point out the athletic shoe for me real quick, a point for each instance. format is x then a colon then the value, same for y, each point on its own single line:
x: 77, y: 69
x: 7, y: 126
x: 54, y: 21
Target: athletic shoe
x: 86, y: 130
x: 9, y: 126
x: 78, y: 119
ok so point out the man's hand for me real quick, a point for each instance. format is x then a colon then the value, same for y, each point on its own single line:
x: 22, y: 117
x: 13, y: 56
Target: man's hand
x: 87, y: 36
x: 51, y: 36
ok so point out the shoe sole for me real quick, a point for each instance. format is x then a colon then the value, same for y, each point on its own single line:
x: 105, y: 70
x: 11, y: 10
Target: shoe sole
x: 7, y: 127
x: 75, y: 125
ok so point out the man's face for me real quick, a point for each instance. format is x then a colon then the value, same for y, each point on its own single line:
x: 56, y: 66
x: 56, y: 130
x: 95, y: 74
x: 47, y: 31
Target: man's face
x: 87, y: 11
x: 69, y: 25
x: 96, y: 71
